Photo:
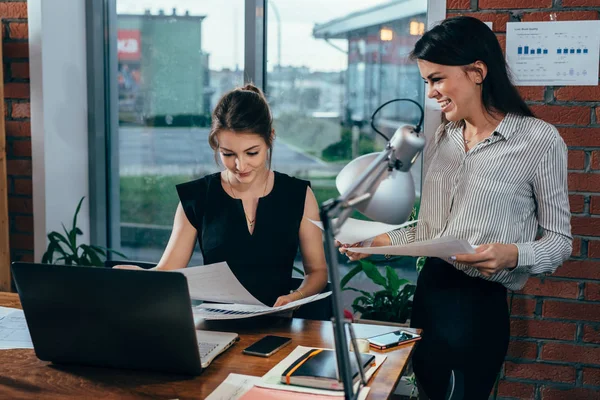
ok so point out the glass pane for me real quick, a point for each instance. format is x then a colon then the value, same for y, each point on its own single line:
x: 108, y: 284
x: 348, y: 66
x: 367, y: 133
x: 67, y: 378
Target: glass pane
x: 175, y: 60
x: 330, y: 64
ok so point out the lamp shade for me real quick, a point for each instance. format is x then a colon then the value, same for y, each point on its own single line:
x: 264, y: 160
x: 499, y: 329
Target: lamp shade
x: 393, y: 195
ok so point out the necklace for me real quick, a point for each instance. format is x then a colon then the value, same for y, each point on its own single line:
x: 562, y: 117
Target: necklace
x: 250, y: 221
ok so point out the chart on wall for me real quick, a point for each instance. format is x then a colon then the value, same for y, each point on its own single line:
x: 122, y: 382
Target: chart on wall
x: 553, y: 53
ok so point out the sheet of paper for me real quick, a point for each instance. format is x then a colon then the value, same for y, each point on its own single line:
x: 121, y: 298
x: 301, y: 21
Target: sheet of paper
x: 238, y: 311
x: 14, y: 333
x: 261, y: 393
x: 443, y: 247
x: 553, y: 53
x: 272, y: 379
x: 216, y: 282
x: 356, y: 230
x: 233, y: 387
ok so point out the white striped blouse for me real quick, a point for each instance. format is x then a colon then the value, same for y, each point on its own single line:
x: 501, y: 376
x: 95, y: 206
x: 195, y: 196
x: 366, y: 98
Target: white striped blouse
x: 500, y: 191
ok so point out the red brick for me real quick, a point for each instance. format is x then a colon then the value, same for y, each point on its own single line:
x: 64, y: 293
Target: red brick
x: 21, y: 110
x: 584, y: 269
x: 533, y: 93
x: 592, y: 291
x: 498, y: 20
x: 581, y: 137
x: 458, y: 4
x: 535, y: 328
x: 597, y: 115
x: 509, y: 4
x: 20, y: 205
x: 585, y: 226
x: 18, y: 30
x: 584, y: 182
x: 20, y: 70
x: 594, y: 248
x: 591, y: 376
x: 571, y: 353
x: 516, y: 390
x: 563, y: 115
x: 595, y: 160
x: 18, y: 128
x: 591, y: 334
x: 553, y: 393
x: 18, y: 167
x: 577, y: 203
x: 551, y: 288
x: 580, y: 3
x: 23, y: 186
x: 578, y: 93
x: 543, y: 16
x: 541, y: 372
x: 21, y: 148
x: 522, y: 349
x: 13, y: 10
x: 24, y: 223
x: 576, y: 247
x: 576, y: 159
x: 21, y: 241
x: 595, y: 205
x: 526, y: 307
x: 571, y: 310
x: 16, y: 91
x: 502, y: 41
x: 16, y: 49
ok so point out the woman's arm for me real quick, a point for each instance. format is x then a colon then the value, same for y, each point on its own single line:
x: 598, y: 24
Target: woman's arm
x: 181, y: 243
x: 313, y: 254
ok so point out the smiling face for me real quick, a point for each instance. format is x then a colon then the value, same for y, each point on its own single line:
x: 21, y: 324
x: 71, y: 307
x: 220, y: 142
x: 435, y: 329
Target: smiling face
x: 456, y: 90
x: 245, y: 155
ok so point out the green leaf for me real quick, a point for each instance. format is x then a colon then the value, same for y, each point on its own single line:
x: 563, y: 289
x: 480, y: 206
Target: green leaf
x: 77, y: 212
x: 351, y: 274
x: 373, y: 274
x: 392, y: 280
x: 363, y: 292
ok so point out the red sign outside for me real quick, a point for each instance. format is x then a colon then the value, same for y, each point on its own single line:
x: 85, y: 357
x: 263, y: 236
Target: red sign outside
x: 129, y: 45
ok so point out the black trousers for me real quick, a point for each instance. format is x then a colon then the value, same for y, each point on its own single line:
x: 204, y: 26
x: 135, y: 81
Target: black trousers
x: 466, y: 327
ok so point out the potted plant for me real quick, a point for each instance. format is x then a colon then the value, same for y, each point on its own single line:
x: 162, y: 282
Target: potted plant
x: 392, y: 305
x: 68, y: 252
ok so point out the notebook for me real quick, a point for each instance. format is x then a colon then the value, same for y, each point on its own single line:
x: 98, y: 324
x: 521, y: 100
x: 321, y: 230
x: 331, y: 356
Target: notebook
x: 317, y: 368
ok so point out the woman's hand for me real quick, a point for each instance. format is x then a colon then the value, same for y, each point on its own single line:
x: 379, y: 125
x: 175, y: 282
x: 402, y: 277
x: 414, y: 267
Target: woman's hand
x: 283, y: 300
x: 378, y: 241
x: 491, y: 258
x: 127, y: 266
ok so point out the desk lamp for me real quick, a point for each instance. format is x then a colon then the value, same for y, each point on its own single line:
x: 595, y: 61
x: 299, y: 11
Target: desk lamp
x: 379, y: 186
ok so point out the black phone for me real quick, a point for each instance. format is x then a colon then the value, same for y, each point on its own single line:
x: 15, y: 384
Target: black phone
x: 392, y: 339
x: 267, y: 346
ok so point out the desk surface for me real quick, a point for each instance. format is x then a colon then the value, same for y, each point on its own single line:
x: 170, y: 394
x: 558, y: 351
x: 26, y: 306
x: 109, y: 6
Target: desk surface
x: 24, y: 376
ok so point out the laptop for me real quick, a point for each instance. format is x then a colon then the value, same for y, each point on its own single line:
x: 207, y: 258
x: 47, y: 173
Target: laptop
x: 114, y: 318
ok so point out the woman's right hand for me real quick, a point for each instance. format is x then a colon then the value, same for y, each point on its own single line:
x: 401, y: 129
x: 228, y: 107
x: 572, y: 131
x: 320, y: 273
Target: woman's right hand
x: 378, y: 241
x: 127, y: 266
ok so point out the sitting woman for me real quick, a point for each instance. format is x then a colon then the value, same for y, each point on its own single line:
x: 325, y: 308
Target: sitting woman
x: 248, y: 215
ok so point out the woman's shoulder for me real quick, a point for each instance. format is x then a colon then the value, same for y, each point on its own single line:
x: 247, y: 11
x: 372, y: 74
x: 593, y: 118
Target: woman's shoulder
x: 287, y: 181
x: 537, y: 132
x: 197, y: 185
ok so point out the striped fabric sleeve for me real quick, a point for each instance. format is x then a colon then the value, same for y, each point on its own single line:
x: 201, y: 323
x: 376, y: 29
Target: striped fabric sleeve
x: 550, y: 188
x: 402, y: 236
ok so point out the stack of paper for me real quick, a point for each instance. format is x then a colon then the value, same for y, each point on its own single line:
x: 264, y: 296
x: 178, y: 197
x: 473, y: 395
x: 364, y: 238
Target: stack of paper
x: 14, y: 333
x: 443, y: 247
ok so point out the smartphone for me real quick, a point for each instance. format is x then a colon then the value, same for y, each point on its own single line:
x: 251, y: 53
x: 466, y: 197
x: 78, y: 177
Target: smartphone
x: 267, y: 346
x: 392, y: 339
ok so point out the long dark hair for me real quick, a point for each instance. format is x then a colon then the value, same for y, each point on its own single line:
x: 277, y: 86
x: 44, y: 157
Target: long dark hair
x: 460, y: 41
x: 243, y: 110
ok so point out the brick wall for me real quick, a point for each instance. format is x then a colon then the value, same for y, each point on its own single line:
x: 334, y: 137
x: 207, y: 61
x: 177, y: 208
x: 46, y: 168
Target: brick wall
x: 555, y: 325
x: 18, y: 131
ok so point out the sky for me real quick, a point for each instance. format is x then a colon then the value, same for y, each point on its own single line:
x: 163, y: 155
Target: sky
x: 223, y: 29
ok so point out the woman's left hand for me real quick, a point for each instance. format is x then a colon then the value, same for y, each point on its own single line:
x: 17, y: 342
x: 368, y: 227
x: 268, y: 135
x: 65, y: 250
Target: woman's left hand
x: 491, y: 258
x: 283, y: 300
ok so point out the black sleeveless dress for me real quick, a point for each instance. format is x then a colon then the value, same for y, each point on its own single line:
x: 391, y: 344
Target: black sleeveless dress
x: 261, y: 261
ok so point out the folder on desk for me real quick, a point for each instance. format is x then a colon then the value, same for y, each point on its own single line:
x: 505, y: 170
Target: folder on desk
x: 317, y: 368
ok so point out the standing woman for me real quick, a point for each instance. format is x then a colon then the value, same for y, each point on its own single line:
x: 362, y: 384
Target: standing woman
x: 493, y: 175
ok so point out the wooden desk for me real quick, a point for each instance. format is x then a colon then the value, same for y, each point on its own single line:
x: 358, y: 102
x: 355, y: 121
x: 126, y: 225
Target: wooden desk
x: 24, y: 376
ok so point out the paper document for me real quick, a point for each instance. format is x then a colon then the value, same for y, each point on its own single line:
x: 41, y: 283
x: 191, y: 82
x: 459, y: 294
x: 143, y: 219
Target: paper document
x: 356, y: 230
x: 234, y: 387
x: 238, y: 311
x: 216, y: 282
x: 443, y: 247
x: 14, y: 333
x: 272, y: 379
x: 261, y: 393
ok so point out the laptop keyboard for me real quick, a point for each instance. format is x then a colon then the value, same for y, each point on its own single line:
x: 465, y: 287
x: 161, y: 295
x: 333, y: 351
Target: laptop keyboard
x: 205, y: 348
